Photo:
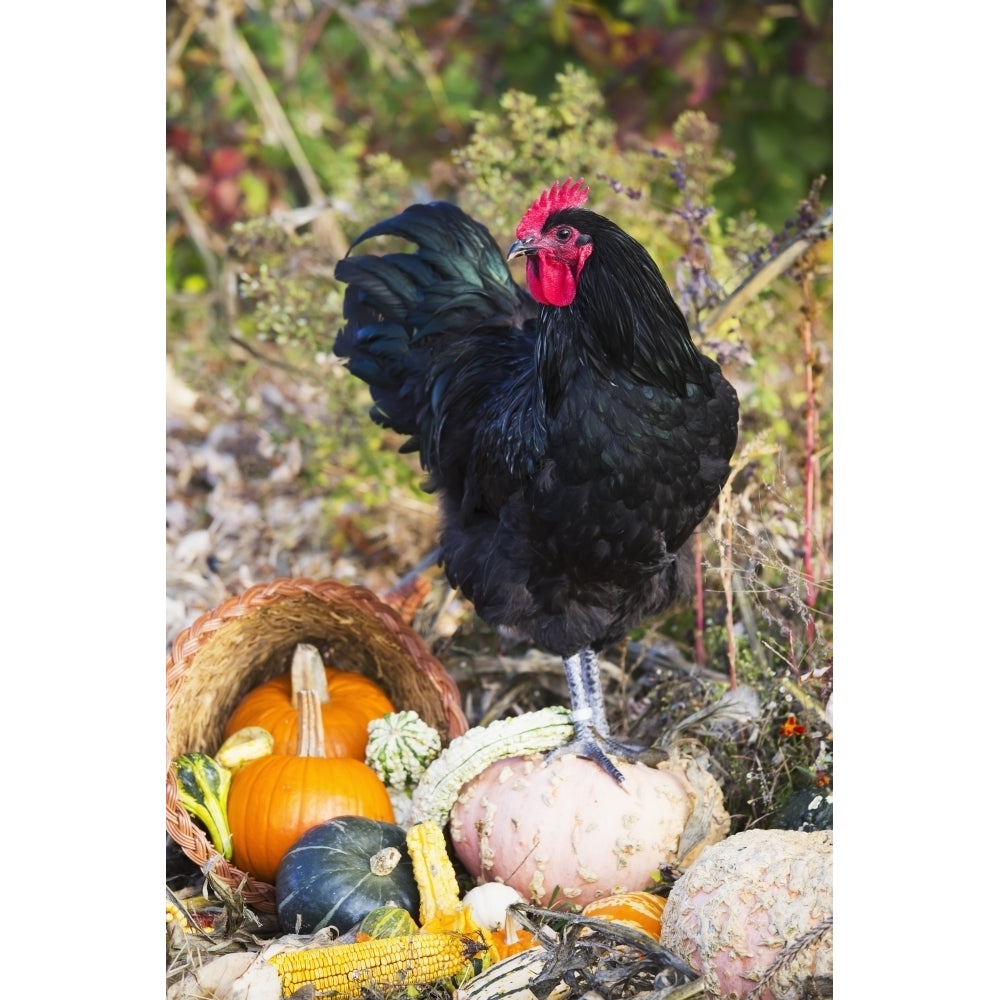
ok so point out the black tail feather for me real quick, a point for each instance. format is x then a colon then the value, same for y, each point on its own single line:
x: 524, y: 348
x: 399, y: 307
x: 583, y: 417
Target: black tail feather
x: 399, y: 306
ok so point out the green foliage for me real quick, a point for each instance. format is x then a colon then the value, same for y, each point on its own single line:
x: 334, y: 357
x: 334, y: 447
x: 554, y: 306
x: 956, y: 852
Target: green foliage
x: 413, y: 80
x: 513, y: 150
x: 286, y: 280
x: 285, y: 276
x: 763, y: 71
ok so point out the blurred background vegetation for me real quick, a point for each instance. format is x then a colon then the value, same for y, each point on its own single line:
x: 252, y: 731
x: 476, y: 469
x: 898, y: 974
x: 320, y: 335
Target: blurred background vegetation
x: 703, y: 128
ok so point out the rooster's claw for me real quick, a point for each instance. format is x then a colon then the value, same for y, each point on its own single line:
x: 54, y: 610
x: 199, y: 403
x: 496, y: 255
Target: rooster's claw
x: 594, y: 747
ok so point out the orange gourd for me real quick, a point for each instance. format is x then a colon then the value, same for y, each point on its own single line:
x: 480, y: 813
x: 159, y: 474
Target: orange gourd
x: 349, y: 702
x: 273, y: 800
x: 640, y: 910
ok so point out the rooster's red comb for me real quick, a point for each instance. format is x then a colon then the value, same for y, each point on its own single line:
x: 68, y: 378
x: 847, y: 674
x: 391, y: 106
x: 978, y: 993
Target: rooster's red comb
x: 567, y: 195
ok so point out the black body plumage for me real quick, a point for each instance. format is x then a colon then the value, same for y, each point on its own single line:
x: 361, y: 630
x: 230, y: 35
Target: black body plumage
x: 574, y: 449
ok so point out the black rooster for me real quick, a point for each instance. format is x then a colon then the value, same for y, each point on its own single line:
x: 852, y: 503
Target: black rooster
x: 575, y: 436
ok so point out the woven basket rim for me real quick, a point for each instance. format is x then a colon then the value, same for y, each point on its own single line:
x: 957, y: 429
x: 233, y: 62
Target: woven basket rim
x: 193, y: 639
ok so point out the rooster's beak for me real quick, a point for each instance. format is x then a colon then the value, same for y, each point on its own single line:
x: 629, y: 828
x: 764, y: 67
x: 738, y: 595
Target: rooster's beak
x: 521, y: 248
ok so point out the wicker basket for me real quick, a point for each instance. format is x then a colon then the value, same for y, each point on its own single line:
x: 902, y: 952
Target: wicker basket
x: 251, y: 638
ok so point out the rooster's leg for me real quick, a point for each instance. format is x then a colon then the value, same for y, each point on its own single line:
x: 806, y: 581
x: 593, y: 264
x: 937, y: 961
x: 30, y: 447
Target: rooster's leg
x: 593, y: 689
x: 590, y: 721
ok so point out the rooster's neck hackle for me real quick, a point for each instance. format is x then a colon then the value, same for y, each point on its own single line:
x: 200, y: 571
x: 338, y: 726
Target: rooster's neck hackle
x: 623, y: 317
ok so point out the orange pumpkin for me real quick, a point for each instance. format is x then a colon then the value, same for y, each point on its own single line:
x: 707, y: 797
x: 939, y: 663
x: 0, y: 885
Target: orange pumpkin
x: 512, y: 942
x: 351, y: 701
x: 273, y: 800
x: 640, y: 910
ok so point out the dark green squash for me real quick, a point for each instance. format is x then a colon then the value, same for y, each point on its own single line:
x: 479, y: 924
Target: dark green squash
x: 806, y: 810
x: 338, y: 872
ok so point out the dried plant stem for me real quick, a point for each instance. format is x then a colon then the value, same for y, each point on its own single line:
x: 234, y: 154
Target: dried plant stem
x: 196, y: 228
x: 178, y: 45
x: 805, y: 277
x: 726, y: 570
x: 787, y: 954
x: 238, y: 58
x: 312, y: 32
x: 821, y: 521
x: 749, y: 620
x: 261, y: 355
x: 820, y: 230
x: 811, y: 477
x: 699, y: 603
x: 808, y: 702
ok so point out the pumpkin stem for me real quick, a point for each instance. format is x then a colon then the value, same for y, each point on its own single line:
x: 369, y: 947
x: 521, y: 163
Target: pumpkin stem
x: 308, y: 672
x: 384, y: 862
x: 308, y: 680
x: 312, y: 741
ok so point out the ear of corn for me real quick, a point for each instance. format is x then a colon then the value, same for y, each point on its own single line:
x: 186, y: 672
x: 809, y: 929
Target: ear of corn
x: 433, y: 871
x: 347, y: 970
x: 176, y: 914
x: 193, y: 915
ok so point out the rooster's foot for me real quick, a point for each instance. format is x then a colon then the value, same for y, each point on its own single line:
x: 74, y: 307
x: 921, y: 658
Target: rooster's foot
x: 590, y: 744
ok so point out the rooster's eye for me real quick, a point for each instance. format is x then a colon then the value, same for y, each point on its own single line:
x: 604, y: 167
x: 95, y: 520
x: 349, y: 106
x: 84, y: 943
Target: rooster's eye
x: 563, y: 234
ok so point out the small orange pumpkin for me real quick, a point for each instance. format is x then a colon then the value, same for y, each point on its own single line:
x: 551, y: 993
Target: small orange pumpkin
x: 349, y: 701
x: 640, y: 910
x: 512, y: 942
x: 273, y: 800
